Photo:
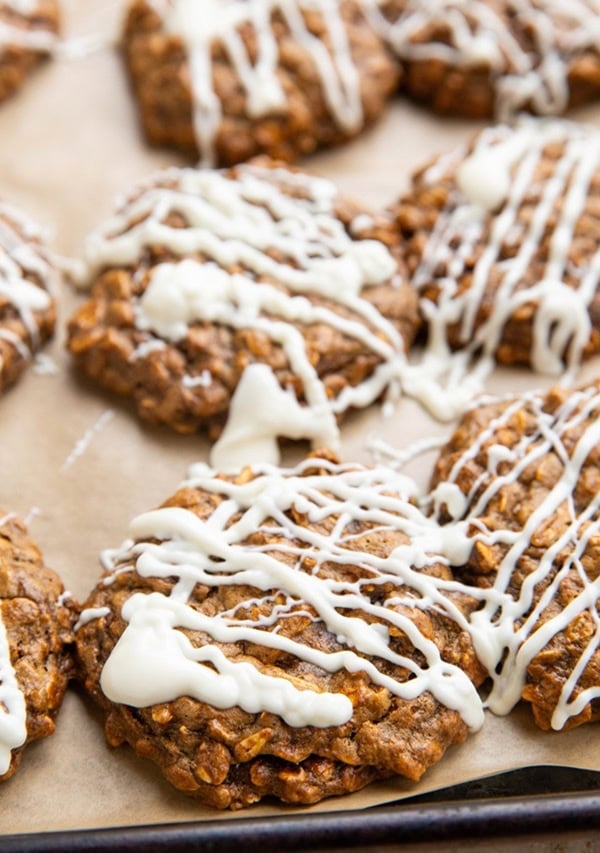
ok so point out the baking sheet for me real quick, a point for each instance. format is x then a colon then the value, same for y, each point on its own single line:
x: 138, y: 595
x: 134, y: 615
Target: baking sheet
x: 80, y: 466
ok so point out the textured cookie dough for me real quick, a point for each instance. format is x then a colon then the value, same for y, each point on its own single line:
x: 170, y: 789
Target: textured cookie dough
x: 501, y: 244
x: 265, y: 634
x: 27, y: 34
x: 529, y: 470
x: 228, y: 80
x: 35, y: 629
x: 485, y: 58
x: 203, y: 274
x: 28, y: 281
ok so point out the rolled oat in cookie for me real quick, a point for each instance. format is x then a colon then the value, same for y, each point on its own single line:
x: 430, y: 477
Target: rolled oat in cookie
x: 225, y: 80
x: 28, y: 282
x: 28, y: 30
x: 35, y: 628
x: 485, y: 58
x: 501, y: 246
x: 269, y: 634
x: 528, y: 470
x: 257, y: 294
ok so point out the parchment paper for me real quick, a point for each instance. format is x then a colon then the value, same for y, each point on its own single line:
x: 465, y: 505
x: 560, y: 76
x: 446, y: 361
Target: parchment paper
x: 81, y: 466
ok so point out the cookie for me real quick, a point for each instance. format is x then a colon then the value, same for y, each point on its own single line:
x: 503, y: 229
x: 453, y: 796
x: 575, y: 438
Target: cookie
x: 528, y: 470
x: 266, y: 634
x: 486, y: 58
x: 28, y: 280
x: 35, y: 627
x: 226, y: 80
x: 28, y: 30
x: 501, y: 246
x: 260, y: 279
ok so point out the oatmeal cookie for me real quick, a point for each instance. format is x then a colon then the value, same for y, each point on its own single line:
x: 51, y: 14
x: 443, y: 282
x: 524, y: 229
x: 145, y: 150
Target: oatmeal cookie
x: 485, y: 58
x: 265, y: 634
x: 28, y: 280
x: 35, y: 628
x: 204, y: 275
x: 501, y: 242
x: 27, y: 34
x: 529, y: 471
x: 226, y: 80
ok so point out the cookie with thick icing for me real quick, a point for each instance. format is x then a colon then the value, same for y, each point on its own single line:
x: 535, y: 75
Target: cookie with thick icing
x: 485, y: 58
x: 35, y: 628
x: 501, y: 246
x: 258, y: 292
x: 226, y: 80
x: 28, y: 281
x: 267, y: 634
x: 28, y: 30
x: 528, y: 471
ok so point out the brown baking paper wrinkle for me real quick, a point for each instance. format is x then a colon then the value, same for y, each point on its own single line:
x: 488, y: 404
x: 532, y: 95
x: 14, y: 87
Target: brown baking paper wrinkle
x: 78, y: 463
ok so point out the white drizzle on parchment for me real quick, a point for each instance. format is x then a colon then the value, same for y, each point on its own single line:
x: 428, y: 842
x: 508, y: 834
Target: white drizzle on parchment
x: 21, y: 254
x: 505, y: 632
x: 201, y: 25
x: 13, y: 712
x: 477, y: 36
x: 154, y: 662
x: 487, y: 192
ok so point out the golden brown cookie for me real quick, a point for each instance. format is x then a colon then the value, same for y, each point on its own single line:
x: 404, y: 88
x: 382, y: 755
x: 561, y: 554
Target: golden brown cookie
x: 35, y: 628
x: 267, y: 634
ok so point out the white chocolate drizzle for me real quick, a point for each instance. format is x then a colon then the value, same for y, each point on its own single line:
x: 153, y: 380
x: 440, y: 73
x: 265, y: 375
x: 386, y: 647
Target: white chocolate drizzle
x: 476, y: 36
x: 201, y: 25
x: 509, y: 632
x: 20, y: 257
x: 485, y: 200
x: 153, y: 661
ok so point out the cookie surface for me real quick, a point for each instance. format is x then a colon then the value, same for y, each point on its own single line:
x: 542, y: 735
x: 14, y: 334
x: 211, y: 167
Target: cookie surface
x: 230, y: 79
x: 203, y: 276
x: 529, y: 470
x: 485, y: 58
x: 265, y: 634
x: 27, y: 34
x: 27, y: 282
x: 34, y: 630
x: 501, y: 245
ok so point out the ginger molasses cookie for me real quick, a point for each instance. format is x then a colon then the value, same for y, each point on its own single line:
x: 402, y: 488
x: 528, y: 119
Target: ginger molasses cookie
x: 480, y: 58
x: 28, y: 279
x: 35, y: 627
x: 226, y: 80
x: 528, y: 470
x: 501, y: 244
x: 28, y: 31
x: 268, y: 634
x: 259, y: 293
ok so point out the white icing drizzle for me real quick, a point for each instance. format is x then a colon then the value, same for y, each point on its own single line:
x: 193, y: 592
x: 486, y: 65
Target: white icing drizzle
x: 201, y: 25
x: 560, y: 31
x: 89, y: 614
x: 507, y: 633
x: 44, y: 365
x: 21, y: 256
x: 82, y: 444
x: 154, y: 662
x: 251, y: 224
x: 490, y: 188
